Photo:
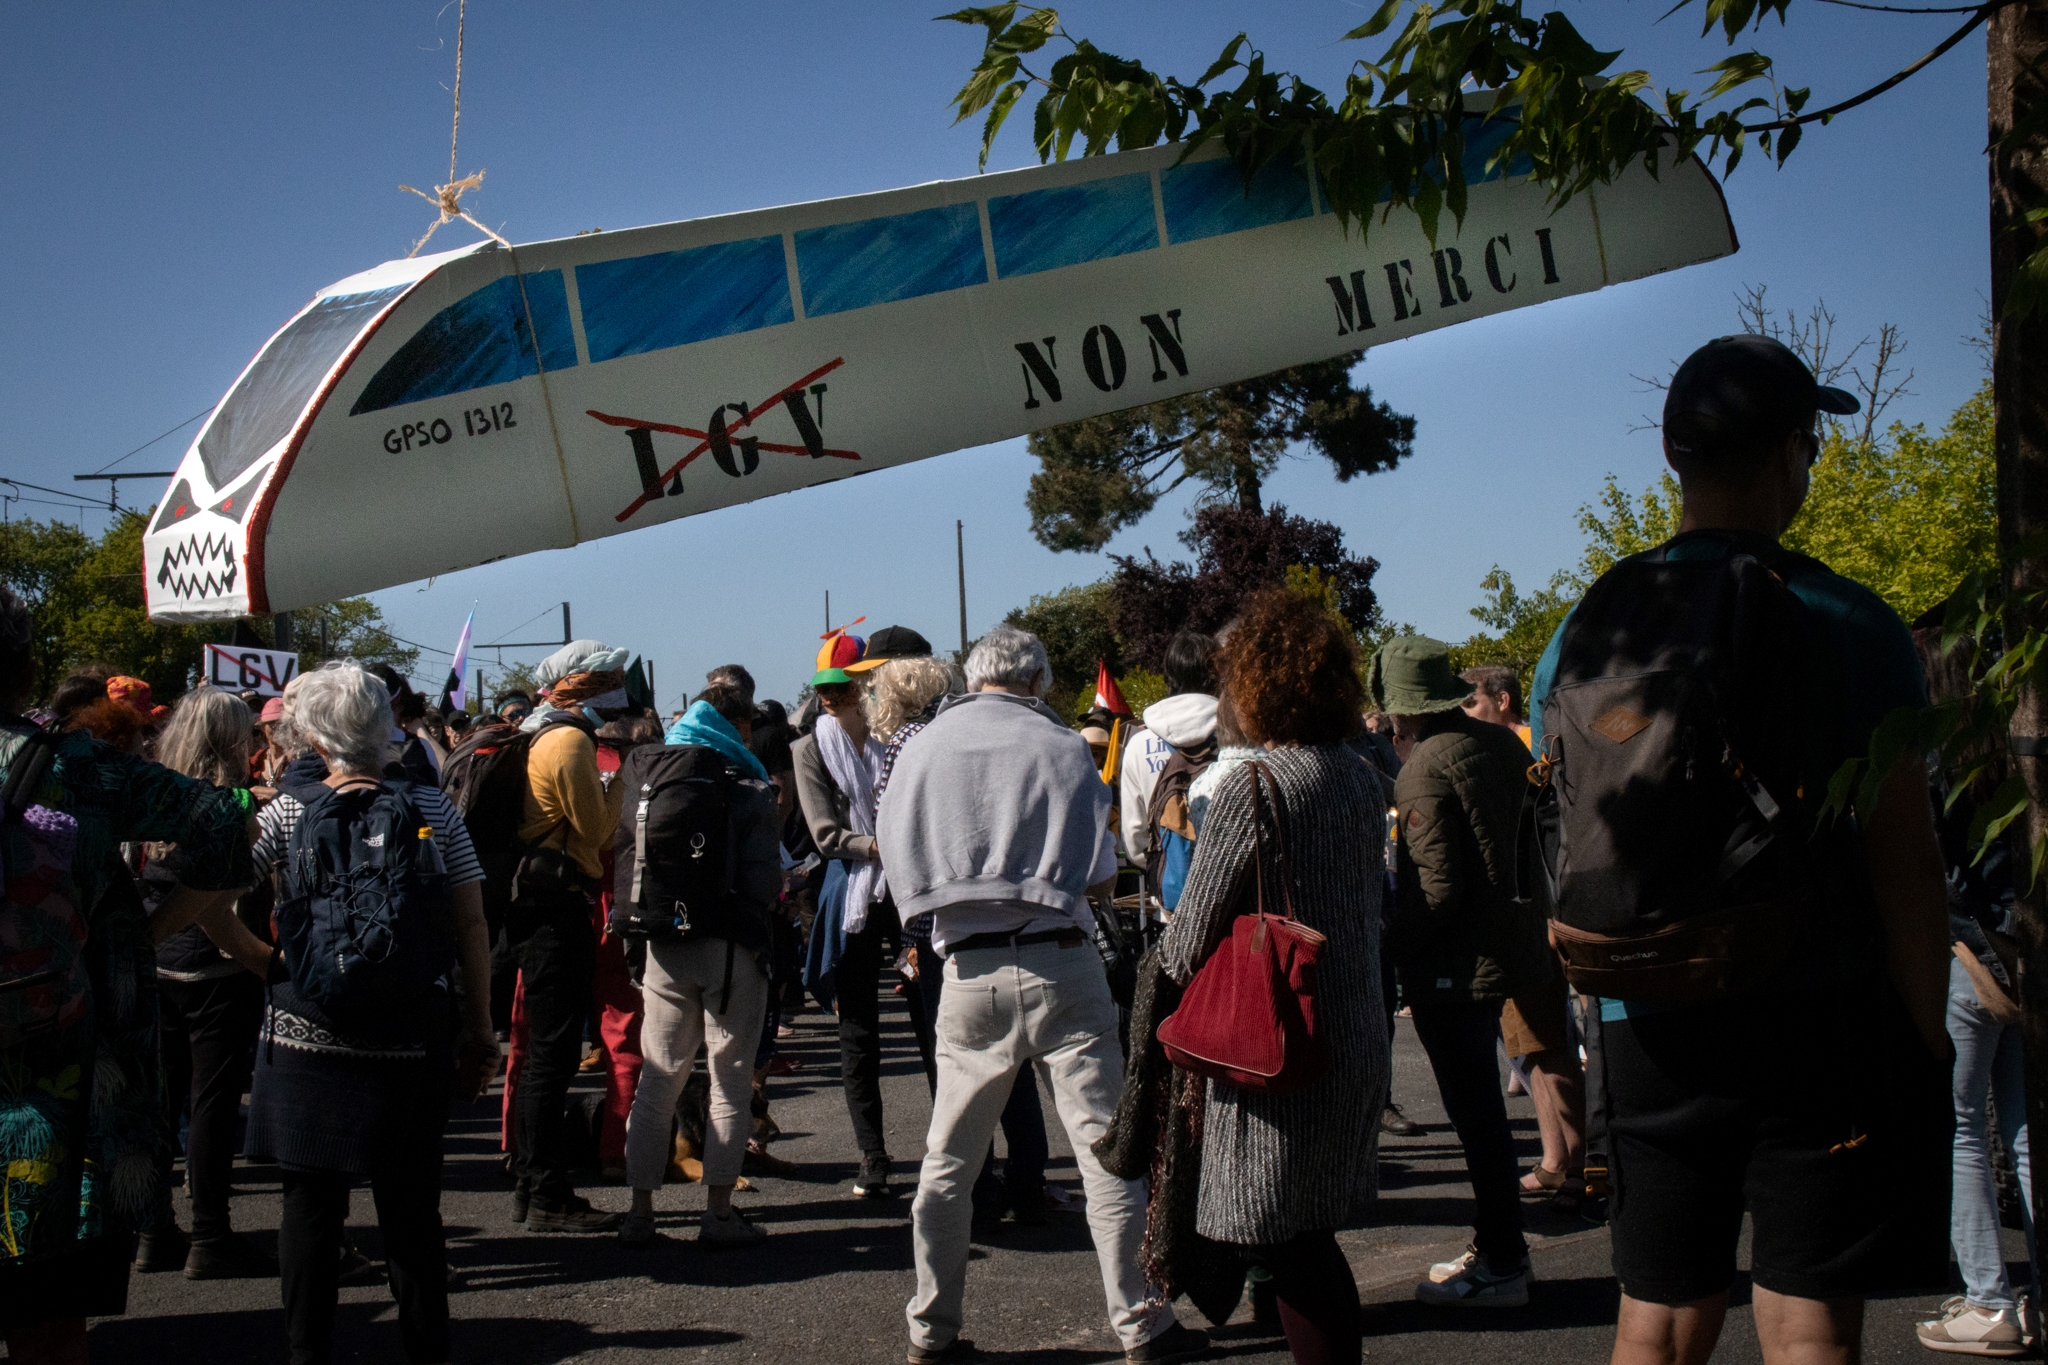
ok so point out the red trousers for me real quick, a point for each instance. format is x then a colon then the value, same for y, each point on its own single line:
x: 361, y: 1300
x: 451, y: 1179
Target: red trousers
x: 618, y: 1028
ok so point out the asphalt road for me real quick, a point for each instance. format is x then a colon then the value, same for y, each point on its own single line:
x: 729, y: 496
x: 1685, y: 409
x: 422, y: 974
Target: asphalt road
x: 830, y: 1282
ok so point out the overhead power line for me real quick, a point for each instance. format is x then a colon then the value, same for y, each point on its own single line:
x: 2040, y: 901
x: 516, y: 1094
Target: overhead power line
x: 158, y: 437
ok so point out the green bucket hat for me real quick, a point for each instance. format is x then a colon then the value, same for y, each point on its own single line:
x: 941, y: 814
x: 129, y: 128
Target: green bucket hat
x: 1411, y: 676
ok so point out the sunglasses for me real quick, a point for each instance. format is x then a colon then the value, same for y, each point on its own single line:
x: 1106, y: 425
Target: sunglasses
x: 836, y: 691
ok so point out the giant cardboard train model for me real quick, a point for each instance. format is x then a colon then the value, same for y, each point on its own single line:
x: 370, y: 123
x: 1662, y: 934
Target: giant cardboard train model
x: 579, y: 388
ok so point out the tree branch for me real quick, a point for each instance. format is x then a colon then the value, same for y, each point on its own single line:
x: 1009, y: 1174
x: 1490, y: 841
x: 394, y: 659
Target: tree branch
x: 1977, y: 16
x: 1903, y: 9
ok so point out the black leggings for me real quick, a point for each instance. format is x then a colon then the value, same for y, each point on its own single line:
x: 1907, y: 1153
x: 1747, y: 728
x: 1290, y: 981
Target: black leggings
x: 557, y: 955
x: 1317, y: 1295
x: 209, y: 1046
x: 415, y: 1253
x: 1460, y: 1037
x: 858, y: 983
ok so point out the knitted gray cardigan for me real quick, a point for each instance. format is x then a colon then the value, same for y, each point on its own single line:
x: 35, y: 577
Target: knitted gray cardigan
x: 1276, y: 1167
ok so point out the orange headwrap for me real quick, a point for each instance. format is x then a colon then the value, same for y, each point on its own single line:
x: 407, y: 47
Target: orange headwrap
x: 134, y: 694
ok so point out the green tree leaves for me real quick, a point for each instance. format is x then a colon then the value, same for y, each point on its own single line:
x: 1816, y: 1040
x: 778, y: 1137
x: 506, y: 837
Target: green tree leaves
x: 1395, y: 136
x: 86, y: 598
x: 85, y: 595
x: 1089, y: 93
x: 1909, y: 516
x: 1078, y: 627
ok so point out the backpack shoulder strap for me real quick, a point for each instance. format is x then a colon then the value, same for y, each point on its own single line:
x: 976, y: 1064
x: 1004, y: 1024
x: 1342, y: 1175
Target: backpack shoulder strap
x: 562, y: 718
x: 26, y: 770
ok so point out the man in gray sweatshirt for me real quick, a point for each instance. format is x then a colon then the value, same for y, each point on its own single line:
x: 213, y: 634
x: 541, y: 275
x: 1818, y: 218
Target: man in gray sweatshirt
x: 996, y: 821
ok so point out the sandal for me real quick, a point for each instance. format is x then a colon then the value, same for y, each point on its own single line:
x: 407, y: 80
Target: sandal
x: 1548, y: 1183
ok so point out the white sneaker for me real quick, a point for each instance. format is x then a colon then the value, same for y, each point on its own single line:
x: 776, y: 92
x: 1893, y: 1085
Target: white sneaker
x: 1964, y: 1329
x: 1477, y: 1287
x: 733, y: 1230
x: 1448, y: 1270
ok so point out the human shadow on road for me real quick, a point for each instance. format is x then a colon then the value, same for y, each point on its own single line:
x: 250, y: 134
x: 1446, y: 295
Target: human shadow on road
x: 530, y: 1341
x: 253, y: 1336
x: 1592, y: 1301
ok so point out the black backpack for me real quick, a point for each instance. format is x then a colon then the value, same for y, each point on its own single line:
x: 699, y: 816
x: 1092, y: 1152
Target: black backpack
x: 485, y: 780
x: 675, y: 859
x: 365, y: 919
x: 1673, y: 811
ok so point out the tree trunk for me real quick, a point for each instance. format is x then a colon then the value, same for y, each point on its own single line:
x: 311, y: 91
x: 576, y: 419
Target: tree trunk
x: 1246, y: 476
x: 2017, y: 49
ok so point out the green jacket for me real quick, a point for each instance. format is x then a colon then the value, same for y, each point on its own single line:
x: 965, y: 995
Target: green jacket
x: 1457, y: 931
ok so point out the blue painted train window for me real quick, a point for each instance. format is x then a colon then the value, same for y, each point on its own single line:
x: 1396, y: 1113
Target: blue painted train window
x: 649, y: 303
x: 477, y: 341
x: 1208, y: 198
x: 267, y: 401
x: 1046, y: 229
x: 852, y: 265
x: 1483, y: 138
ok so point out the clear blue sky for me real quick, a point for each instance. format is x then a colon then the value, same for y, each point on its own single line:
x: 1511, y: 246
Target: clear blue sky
x: 176, y: 180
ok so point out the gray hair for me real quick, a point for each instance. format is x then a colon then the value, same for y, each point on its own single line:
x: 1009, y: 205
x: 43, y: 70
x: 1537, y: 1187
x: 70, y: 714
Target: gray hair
x: 1011, y: 658
x: 285, y: 735
x: 345, y: 710
x: 209, y: 736
x: 901, y: 688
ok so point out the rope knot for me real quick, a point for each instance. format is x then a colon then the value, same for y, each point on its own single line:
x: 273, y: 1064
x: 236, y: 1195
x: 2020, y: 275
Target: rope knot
x: 448, y: 199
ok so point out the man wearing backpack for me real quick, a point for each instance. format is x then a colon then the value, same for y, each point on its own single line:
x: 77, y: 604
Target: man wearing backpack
x: 1178, y: 730
x: 566, y: 818
x: 1771, y: 980
x: 697, y: 870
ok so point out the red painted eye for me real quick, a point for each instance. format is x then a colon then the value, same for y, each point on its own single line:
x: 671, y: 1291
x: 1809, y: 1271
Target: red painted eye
x: 181, y: 509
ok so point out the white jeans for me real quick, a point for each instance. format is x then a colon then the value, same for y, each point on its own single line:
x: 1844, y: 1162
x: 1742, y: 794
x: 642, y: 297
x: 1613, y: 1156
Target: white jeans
x: 684, y: 989
x: 1004, y: 1008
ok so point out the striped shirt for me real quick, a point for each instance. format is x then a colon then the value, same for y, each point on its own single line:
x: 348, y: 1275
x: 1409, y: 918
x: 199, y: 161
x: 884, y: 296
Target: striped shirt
x: 281, y: 817
x: 284, y: 1023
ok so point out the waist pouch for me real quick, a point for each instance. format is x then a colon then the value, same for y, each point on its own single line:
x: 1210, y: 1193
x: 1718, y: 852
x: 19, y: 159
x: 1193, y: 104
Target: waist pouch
x: 1701, y: 958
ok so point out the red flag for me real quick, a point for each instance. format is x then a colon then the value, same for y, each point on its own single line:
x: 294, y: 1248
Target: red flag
x: 1108, y: 695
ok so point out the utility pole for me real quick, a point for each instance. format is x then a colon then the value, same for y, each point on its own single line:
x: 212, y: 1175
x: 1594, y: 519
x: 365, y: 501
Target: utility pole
x: 960, y: 562
x: 281, y: 632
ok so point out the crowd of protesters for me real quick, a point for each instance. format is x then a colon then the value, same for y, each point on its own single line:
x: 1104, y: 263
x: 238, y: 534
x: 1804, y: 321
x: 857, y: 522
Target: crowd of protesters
x: 358, y: 910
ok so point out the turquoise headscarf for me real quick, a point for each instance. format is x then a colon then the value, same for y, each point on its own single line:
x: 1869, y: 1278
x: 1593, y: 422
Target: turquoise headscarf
x: 702, y: 725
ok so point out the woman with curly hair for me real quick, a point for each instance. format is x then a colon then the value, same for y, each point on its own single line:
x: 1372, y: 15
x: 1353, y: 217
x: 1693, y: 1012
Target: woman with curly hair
x: 1279, y: 1174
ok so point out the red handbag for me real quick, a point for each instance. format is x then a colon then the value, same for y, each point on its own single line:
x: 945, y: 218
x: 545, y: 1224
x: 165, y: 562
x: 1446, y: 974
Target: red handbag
x: 1249, y: 1015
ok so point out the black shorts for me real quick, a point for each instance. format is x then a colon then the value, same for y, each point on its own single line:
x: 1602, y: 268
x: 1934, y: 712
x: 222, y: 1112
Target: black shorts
x: 1822, y: 1115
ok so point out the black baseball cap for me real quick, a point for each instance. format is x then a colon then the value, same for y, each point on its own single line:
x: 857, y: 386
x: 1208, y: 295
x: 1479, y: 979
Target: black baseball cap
x: 1740, y: 389
x: 891, y: 642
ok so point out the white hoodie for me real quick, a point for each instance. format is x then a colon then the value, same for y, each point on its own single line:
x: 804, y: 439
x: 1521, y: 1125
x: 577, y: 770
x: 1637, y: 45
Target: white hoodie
x: 1175, y: 723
